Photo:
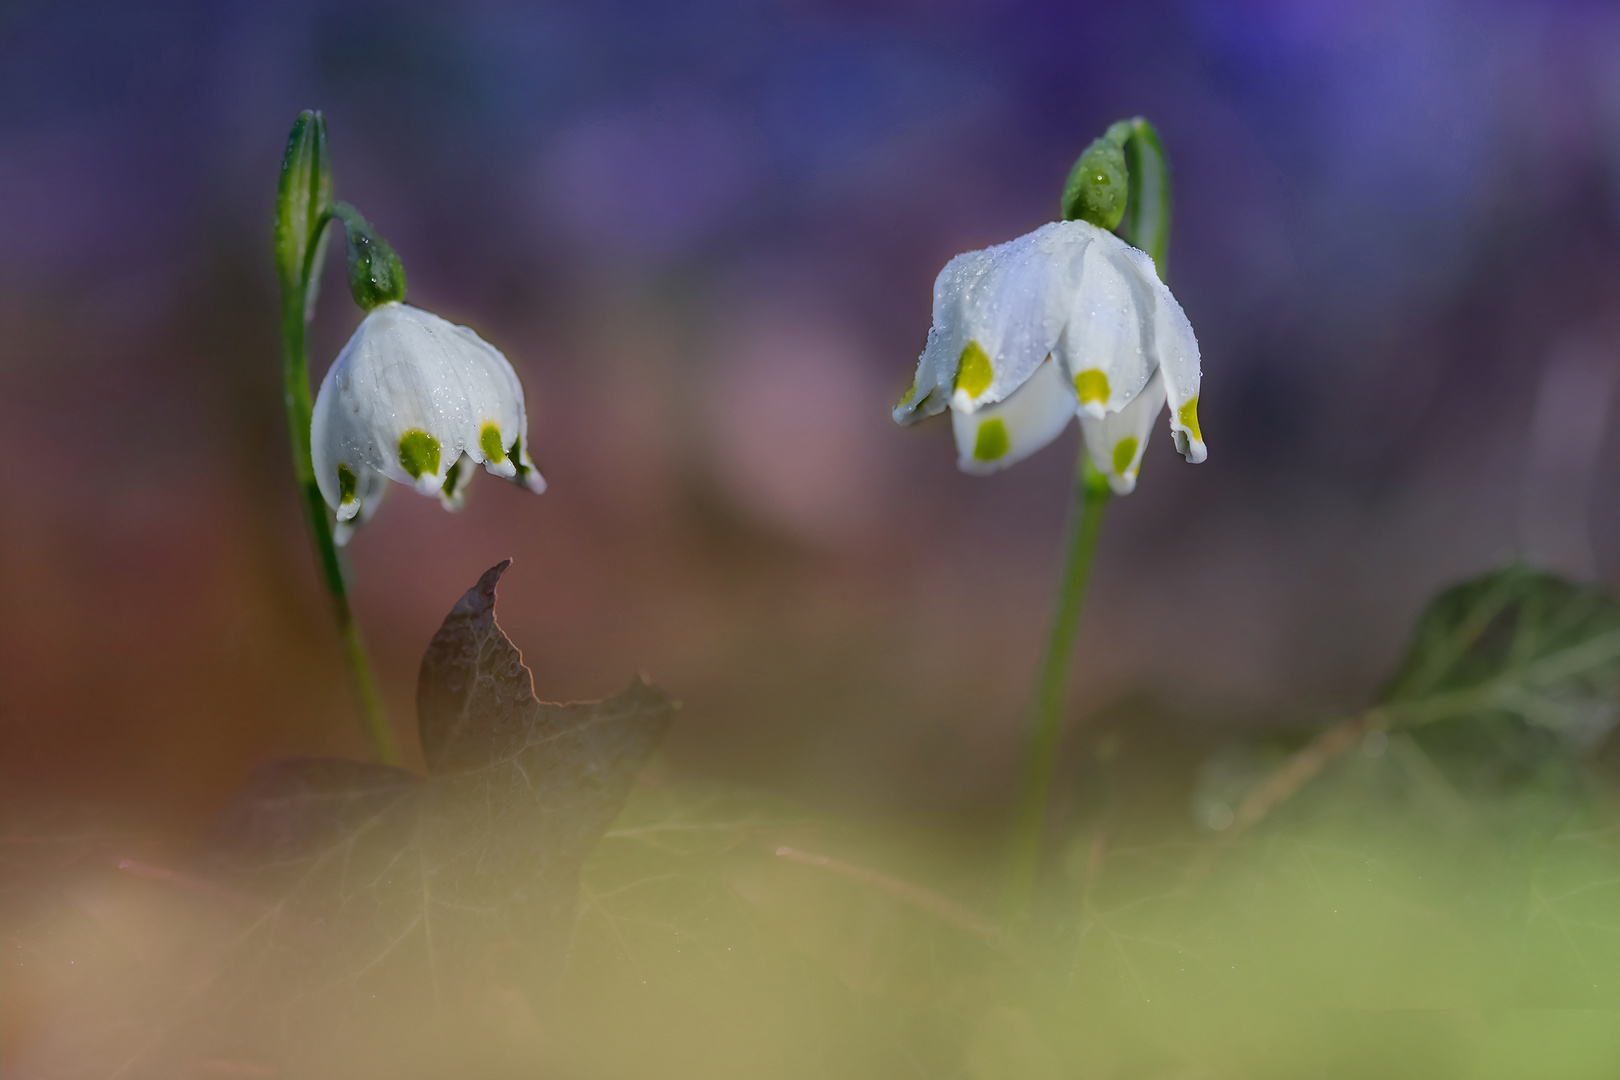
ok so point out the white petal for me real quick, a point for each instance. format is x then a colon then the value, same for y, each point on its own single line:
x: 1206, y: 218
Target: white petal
x: 409, y: 378
x: 1027, y: 305
x: 1104, y: 343
x: 1001, y: 433
x: 998, y: 313
x: 1174, y: 350
x: 1069, y: 291
x: 495, y: 397
x: 1116, y: 442
x: 388, y: 381
x: 961, y: 291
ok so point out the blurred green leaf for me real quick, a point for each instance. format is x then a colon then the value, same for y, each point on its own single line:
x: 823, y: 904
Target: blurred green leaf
x: 1515, y: 643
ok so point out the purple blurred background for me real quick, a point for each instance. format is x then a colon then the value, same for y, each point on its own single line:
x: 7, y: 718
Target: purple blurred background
x: 706, y: 234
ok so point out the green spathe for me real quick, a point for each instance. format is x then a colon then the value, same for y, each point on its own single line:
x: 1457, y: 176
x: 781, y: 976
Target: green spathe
x: 1096, y: 190
x: 376, y: 276
x: 1124, y: 179
x: 1147, y: 209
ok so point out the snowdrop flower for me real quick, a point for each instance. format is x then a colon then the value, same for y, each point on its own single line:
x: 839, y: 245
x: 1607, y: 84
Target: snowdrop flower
x: 1066, y: 320
x: 415, y: 399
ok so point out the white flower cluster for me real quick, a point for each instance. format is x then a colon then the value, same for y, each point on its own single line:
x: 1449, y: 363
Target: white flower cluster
x: 1066, y: 320
x: 421, y: 401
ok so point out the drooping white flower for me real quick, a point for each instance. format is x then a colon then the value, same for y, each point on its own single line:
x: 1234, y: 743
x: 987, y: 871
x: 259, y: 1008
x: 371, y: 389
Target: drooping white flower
x: 1066, y: 320
x: 421, y: 401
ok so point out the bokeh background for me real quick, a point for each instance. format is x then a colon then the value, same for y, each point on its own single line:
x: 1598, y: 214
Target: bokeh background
x: 706, y: 234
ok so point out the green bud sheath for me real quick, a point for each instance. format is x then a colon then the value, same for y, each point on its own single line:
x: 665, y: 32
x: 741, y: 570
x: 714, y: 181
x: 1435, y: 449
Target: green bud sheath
x: 1097, y: 185
x: 1147, y: 214
x: 376, y: 276
x: 1123, y: 178
x: 302, y: 196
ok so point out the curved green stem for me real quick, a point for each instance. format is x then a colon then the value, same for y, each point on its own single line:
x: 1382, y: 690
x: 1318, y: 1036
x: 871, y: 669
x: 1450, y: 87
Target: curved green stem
x: 1130, y: 152
x: 302, y: 210
x: 1089, y: 500
x: 295, y: 386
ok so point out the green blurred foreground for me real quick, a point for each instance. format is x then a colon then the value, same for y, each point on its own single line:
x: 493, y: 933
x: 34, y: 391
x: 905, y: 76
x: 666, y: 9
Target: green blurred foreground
x: 1431, y: 889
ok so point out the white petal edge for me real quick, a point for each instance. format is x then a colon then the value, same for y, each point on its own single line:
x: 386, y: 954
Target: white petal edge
x: 1174, y: 351
x: 926, y: 397
x: 960, y: 292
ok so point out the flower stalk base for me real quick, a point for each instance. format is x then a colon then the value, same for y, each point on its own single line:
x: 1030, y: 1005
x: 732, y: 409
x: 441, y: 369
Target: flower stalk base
x: 1089, y: 501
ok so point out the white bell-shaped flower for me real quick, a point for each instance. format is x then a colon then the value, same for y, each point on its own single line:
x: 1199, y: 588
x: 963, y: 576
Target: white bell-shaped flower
x: 1067, y: 319
x: 421, y: 401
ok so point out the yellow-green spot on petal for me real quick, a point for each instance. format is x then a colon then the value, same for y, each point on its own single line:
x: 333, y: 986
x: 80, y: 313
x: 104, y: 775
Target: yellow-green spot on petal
x: 1092, y: 386
x: 489, y: 441
x: 1188, y: 416
x: 973, y: 372
x: 991, y: 442
x: 347, y: 483
x: 451, y: 477
x: 1124, y: 454
x: 905, y: 399
x: 418, y: 453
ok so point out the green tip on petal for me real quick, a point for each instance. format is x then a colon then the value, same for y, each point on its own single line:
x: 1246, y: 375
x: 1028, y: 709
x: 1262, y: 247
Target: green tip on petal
x: 515, y: 452
x: 1124, y: 454
x: 905, y: 399
x: 418, y: 453
x: 1188, y: 417
x: 1092, y: 386
x: 973, y: 372
x: 347, y: 483
x: 489, y: 441
x: 450, y: 478
x: 991, y: 441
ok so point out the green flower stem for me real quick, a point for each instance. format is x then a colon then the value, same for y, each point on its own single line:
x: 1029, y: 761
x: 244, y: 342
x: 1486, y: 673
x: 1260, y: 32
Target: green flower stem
x: 1129, y: 155
x: 1089, y: 500
x: 295, y: 383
